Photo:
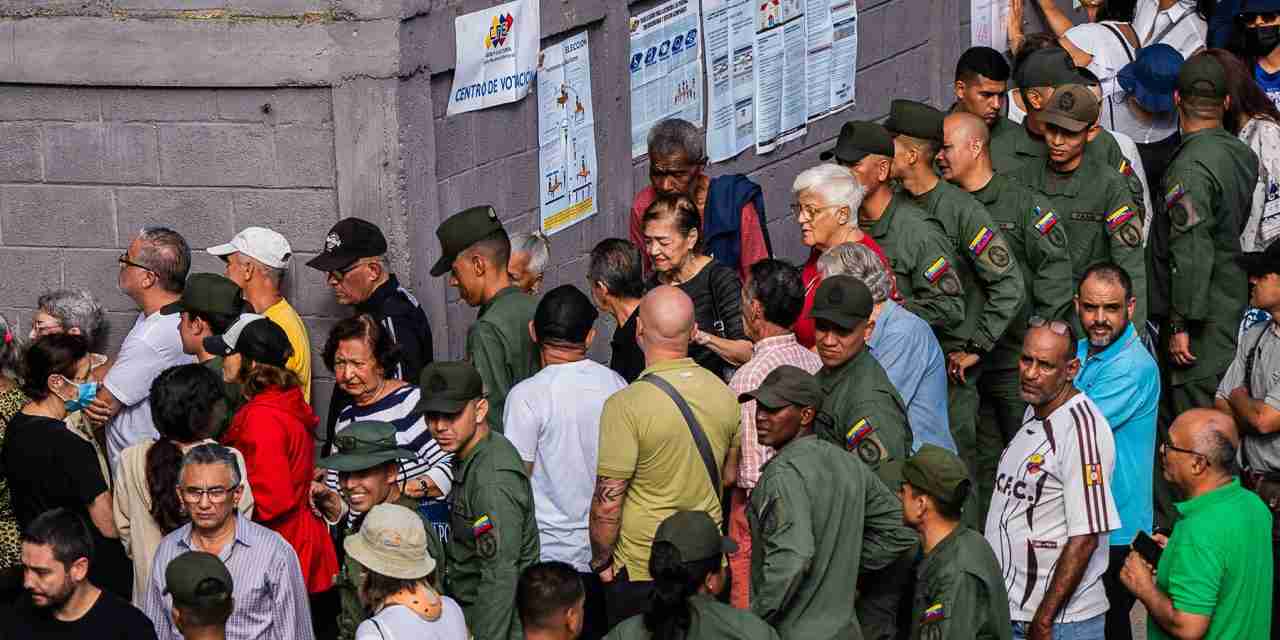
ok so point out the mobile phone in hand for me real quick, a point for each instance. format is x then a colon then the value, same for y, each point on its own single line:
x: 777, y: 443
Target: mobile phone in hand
x: 1148, y: 548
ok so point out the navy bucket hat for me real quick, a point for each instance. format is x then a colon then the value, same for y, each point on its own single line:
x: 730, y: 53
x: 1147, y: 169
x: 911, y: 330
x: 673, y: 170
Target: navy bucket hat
x: 1152, y: 77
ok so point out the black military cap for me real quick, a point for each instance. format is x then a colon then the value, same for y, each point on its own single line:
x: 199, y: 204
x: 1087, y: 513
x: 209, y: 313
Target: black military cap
x: 208, y: 293
x: 915, y: 119
x: 786, y: 385
x: 447, y: 387
x: 859, y: 139
x: 462, y: 230
x: 348, y: 241
x: 843, y: 300
x: 1202, y: 76
x: 1046, y: 68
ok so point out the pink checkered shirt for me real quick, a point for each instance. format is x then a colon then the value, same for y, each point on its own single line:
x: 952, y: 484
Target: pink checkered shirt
x: 770, y: 354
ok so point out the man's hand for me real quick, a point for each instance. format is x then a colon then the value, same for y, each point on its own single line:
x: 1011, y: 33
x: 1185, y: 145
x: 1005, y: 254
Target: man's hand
x: 1137, y: 575
x: 1040, y: 629
x: 958, y: 361
x: 103, y: 408
x: 1180, y: 349
x: 326, y: 502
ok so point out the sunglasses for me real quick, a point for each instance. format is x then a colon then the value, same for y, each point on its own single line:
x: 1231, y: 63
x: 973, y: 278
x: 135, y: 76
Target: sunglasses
x: 1265, y: 16
x: 341, y: 274
x: 124, y: 260
x: 1057, y: 326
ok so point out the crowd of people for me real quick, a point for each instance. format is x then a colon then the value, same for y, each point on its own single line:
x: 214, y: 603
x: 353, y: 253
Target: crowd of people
x: 1027, y: 377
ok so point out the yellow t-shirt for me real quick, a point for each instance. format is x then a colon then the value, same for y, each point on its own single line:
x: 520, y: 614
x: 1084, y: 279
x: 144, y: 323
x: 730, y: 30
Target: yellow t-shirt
x: 645, y: 439
x: 283, y: 314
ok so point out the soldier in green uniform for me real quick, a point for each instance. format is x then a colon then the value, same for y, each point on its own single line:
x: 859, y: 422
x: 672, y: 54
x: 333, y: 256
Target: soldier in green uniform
x: 918, y: 253
x: 819, y: 518
x: 1038, y: 244
x: 1092, y: 201
x: 1208, y: 190
x: 959, y: 591
x: 988, y: 270
x: 474, y: 250
x: 493, y: 535
x: 981, y: 81
x: 367, y: 462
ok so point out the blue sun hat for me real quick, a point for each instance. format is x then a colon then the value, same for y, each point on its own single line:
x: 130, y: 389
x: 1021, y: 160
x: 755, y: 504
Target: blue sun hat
x: 1152, y: 77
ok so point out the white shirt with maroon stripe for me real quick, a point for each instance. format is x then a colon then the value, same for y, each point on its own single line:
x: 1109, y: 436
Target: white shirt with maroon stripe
x: 1054, y: 483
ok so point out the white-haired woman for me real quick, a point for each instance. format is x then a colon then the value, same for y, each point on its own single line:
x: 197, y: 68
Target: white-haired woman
x: 826, y: 205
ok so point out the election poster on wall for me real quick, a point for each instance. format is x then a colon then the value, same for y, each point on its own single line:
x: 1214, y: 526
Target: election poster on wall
x: 566, y: 135
x: 497, y: 52
x: 989, y: 26
x: 729, y: 28
x: 666, y: 68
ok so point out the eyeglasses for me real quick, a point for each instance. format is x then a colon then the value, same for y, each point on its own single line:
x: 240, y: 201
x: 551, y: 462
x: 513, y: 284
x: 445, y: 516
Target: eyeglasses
x: 341, y: 274
x: 46, y: 328
x: 1165, y: 447
x: 216, y: 495
x: 809, y: 213
x: 1250, y: 18
x: 126, y: 262
x: 1057, y: 326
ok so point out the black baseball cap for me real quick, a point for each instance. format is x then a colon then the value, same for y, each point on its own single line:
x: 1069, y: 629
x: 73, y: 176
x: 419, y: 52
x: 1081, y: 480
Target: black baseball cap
x: 447, y: 387
x: 843, y: 300
x: 254, y: 337
x: 462, y: 230
x: 857, y: 140
x: 564, y: 314
x: 1051, y: 67
x: 786, y: 385
x: 1260, y: 263
x: 348, y: 241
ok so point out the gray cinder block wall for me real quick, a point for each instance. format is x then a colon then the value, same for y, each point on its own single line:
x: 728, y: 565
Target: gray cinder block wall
x: 212, y: 115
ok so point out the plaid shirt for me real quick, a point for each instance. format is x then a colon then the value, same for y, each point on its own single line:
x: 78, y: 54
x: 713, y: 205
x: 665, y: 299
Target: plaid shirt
x: 770, y: 354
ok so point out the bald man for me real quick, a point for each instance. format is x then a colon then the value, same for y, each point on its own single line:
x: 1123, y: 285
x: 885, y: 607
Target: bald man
x: 1216, y: 577
x: 1038, y: 245
x: 652, y: 461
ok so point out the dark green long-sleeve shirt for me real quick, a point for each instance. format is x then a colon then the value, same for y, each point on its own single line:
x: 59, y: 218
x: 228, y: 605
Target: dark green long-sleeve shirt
x: 499, y: 346
x: 923, y: 262
x: 867, y: 416
x: 960, y: 592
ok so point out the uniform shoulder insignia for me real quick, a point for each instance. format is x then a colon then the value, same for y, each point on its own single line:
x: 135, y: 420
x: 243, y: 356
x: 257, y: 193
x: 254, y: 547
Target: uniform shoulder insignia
x: 943, y: 276
x: 935, y: 612
x: 1182, y: 211
x: 486, y: 536
x: 1173, y: 195
x: 1126, y: 168
x: 1123, y: 223
x: 937, y: 269
x: 990, y: 249
x: 1118, y: 217
x: 981, y: 241
x: 1045, y: 221
x: 861, y: 439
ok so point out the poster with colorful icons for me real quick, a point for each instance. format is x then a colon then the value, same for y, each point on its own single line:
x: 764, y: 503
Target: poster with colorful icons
x: 497, y: 56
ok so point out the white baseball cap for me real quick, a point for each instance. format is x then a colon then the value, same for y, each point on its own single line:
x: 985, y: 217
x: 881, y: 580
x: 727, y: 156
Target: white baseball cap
x: 261, y: 244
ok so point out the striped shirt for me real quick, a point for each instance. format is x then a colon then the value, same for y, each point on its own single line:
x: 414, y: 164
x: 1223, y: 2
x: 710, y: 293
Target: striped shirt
x: 1054, y: 483
x: 270, y: 596
x: 412, y: 433
x: 769, y: 354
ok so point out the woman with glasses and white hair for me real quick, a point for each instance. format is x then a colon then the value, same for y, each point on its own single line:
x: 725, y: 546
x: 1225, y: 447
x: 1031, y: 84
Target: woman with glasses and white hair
x: 902, y: 342
x: 826, y: 202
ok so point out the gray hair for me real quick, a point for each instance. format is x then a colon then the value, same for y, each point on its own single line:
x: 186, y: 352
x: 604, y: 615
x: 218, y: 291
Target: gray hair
x: 834, y: 184
x: 859, y: 261
x: 272, y: 273
x: 536, y: 245
x: 1217, y: 449
x: 212, y: 454
x: 10, y: 349
x: 166, y: 253
x: 74, y: 309
x: 673, y: 135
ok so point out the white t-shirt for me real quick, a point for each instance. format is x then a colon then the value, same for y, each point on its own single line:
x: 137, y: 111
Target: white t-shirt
x: 1054, y: 483
x: 153, y: 345
x: 398, y: 622
x: 553, y: 419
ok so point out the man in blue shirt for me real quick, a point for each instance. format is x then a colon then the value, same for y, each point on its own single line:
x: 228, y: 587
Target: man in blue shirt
x: 1120, y: 376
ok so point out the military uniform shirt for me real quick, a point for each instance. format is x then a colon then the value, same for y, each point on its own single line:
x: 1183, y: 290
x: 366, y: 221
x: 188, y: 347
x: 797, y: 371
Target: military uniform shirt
x: 1208, y: 191
x: 1038, y: 241
x: 870, y: 418
x: 818, y: 519
x: 499, y: 346
x: 960, y: 593
x: 709, y: 620
x: 1261, y: 451
x: 988, y: 271
x: 1005, y: 135
x: 922, y: 261
x: 493, y: 537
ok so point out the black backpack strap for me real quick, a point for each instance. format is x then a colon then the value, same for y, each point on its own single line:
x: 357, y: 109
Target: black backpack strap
x: 699, y: 437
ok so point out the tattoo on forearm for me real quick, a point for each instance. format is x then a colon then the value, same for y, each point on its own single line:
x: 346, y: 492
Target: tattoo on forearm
x: 606, y: 517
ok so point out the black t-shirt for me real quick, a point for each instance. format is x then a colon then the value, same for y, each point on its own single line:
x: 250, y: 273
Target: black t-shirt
x: 716, y: 292
x: 627, y: 359
x: 109, y: 618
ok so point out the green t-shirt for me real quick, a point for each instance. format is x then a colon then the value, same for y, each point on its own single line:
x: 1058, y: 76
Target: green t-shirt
x: 1218, y: 564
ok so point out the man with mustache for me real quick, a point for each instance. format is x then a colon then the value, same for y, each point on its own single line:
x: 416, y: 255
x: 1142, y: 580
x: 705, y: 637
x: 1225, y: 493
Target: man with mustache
x: 1120, y: 376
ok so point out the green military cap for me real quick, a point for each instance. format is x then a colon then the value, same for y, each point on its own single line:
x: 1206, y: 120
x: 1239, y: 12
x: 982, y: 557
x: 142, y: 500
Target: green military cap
x: 447, y: 387
x: 843, y: 300
x: 695, y: 535
x: 915, y: 119
x: 939, y: 473
x: 197, y: 579
x: 1072, y: 107
x: 1202, y: 76
x: 462, y: 230
x: 365, y: 445
x: 208, y: 293
x: 1046, y: 68
x: 786, y: 385
x: 857, y: 140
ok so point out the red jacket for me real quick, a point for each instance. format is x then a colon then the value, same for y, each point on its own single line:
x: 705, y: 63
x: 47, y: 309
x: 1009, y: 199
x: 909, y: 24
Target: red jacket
x: 274, y: 432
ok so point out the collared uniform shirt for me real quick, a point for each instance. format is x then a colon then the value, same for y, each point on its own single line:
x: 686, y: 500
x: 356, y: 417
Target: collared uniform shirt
x: 1004, y: 140
x: 1123, y: 381
x: 906, y: 348
x: 769, y: 354
x: 499, y: 346
x: 867, y: 417
x: 1054, y: 483
x: 922, y: 261
x: 1261, y: 451
x: 1178, y: 26
x: 270, y: 596
x: 959, y: 592
x: 709, y: 620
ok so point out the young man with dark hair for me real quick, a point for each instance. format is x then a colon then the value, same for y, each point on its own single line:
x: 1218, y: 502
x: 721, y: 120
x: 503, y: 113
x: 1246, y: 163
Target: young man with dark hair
x: 550, y: 598
x: 209, y: 305
x: 981, y: 83
x: 56, y: 553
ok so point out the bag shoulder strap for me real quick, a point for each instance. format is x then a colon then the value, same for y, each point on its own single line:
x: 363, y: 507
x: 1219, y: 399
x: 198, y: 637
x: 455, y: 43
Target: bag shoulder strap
x: 699, y: 437
x: 381, y: 633
x: 1172, y: 24
x: 1128, y: 50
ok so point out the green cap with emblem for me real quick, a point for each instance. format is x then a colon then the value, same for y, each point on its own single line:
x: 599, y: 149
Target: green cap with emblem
x: 939, y: 473
x: 695, y: 535
x: 364, y: 445
x: 1046, y: 68
x: 1204, y: 77
x: 208, y: 293
x: 197, y: 579
x: 857, y: 140
x: 842, y: 300
x: 447, y: 387
x: 786, y: 385
x: 462, y: 230
x: 915, y: 119
x: 1072, y: 107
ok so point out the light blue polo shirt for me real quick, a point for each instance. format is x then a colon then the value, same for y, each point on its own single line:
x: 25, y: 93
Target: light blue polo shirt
x: 1124, y: 381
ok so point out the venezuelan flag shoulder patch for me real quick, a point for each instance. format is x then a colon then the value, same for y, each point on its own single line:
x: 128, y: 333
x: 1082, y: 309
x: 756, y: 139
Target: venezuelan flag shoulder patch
x: 935, y: 612
x: 858, y: 432
x: 1173, y: 195
x: 981, y: 240
x: 1118, y: 217
x: 482, y: 525
x: 936, y: 270
x: 1045, y: 222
